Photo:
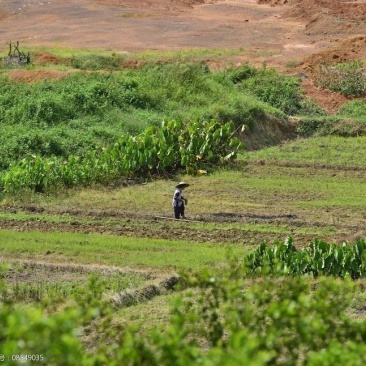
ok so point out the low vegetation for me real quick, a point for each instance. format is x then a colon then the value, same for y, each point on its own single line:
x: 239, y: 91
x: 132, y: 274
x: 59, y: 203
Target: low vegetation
x: 174, y: 146
x: 111, y: 250
x: 226, y: 318
x: 329, y: 150
x: 84, y: 111
x: 51, y: 127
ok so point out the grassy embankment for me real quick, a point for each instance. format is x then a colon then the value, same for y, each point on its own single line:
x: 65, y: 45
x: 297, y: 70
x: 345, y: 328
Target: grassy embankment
x: 87, y: 110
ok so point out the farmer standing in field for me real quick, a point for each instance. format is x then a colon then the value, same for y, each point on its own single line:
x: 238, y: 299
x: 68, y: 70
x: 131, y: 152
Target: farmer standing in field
x: 179, y: 201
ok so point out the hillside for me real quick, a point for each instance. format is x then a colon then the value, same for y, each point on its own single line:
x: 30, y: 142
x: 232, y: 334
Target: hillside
x: 278, y: 32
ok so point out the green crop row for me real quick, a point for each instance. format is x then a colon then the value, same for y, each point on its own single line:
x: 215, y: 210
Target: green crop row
x: 193, y: 146
x: 319, y: 258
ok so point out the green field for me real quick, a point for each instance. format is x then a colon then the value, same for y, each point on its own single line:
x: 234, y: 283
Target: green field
x: 90, y: 274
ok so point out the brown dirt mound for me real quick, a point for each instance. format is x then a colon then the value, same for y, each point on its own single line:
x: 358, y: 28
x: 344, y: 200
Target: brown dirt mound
x: 45, y: 58
x: 31, y: 76
x: 329, y: 16
x: 328, y: 100
x: 325, y: 16
x: 350, y: 49
x: 345, y: 9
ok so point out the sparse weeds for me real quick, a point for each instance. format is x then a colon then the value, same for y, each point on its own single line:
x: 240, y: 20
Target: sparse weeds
x: 52, y: 284
x: 347, y: 78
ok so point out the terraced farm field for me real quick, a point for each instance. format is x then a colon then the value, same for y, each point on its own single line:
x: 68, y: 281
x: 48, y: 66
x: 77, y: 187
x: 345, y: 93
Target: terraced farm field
x: 260, y: 106
x: 55, y: 243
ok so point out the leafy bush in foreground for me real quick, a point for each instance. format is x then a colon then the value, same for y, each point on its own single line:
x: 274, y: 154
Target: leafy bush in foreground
x: 228, y: 319
x: 319, y: 258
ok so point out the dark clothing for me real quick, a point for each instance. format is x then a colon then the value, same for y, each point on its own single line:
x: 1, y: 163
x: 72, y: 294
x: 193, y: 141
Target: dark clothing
x: 179, y: 211
x: 178, y: 204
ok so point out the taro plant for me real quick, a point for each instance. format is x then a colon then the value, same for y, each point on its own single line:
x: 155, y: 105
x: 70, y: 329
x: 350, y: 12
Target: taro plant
x: 174, y: 146
x: 319, y: 258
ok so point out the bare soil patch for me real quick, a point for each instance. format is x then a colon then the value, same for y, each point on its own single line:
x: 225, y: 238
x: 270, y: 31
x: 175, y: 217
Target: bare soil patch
x: 31, y: 76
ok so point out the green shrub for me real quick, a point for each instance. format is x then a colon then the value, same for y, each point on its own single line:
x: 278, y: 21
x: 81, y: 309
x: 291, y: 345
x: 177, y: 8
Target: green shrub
x: 240, y: 110
x: 187, y: 84
x: 353, y: 108
x: 97, y: 62
x: 309, y: 126
x: 308, y: 107
x: 332, y: 125
x: 279, y: 91
x: 243, y: 72
x: 78, y: 95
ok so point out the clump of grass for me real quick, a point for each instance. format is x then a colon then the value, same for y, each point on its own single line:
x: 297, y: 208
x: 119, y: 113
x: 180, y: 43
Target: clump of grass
x: 96, y: 62
x: 354, y: 108
x: 331, y: 125
x: 279, y: 91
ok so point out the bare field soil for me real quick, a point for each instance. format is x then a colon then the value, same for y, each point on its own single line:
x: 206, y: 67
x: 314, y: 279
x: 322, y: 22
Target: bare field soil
x: 291, y: 29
